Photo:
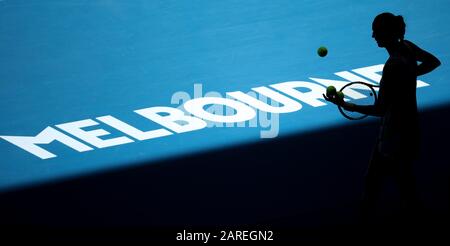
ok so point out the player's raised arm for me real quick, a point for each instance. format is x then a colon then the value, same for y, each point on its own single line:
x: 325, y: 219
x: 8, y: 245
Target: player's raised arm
x: 428, y: 61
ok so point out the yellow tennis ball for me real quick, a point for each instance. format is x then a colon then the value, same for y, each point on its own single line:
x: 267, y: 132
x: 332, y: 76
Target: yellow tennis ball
x: 322, y: 51
x: 340, y: 95
x: 331, y: 91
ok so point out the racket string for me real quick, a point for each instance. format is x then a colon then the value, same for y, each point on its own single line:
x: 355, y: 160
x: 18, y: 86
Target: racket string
x: 363, y: 94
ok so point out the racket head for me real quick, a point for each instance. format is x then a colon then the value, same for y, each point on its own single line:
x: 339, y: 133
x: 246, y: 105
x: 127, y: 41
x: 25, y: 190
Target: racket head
x: 362, y: 93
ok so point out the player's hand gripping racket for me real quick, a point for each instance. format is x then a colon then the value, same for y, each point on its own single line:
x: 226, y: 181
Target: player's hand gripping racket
x: 362, y: 93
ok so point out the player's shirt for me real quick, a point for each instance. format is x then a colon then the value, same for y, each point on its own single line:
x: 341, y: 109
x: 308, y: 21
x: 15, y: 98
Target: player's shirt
x: 399, y: 133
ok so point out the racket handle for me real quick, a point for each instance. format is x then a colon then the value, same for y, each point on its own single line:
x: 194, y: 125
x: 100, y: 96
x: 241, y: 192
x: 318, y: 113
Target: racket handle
x: 349, y: 106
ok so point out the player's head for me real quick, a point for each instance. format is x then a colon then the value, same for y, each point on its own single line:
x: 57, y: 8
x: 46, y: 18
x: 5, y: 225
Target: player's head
x: 388, y: 29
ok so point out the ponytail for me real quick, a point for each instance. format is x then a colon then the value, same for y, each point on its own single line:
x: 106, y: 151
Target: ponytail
x: 401, y: 27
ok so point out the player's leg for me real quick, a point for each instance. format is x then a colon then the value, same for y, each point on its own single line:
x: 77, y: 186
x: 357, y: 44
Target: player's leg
x: 372, y: 187
x: 411, y: 204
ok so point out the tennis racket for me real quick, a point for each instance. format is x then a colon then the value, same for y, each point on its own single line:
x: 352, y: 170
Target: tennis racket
x: 361, y: 93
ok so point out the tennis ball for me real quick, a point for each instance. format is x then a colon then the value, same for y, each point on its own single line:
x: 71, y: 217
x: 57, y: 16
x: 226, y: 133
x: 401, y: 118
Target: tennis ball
x: 331, y: 91
x: 340, y: 95
x: 322, y: 51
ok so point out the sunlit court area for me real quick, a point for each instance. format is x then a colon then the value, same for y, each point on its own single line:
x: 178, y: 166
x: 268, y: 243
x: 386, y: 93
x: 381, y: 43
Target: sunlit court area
x: 230, y: 121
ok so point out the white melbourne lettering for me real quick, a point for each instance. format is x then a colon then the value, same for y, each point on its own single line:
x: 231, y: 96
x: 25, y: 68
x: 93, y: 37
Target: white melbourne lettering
x: 192, y: 115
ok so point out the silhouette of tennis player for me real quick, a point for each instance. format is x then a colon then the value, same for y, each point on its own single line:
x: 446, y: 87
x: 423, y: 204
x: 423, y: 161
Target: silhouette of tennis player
x: 398, y: 142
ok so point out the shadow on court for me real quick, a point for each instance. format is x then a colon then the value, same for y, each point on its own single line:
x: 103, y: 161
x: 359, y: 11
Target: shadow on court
x: 303, y: 187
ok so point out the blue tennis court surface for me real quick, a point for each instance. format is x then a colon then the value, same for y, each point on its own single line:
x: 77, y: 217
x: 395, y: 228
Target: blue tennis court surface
x: 66, y: 61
